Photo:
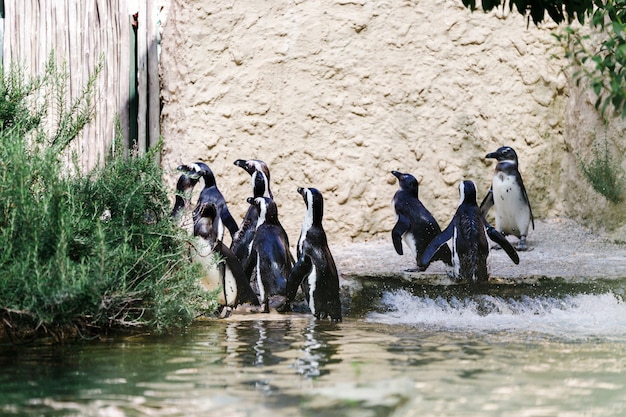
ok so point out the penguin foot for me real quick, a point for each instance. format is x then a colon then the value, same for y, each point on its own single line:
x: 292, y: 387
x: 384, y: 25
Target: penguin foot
x: 521, y: 245
x: 225, y: 313
x: 284, y: 307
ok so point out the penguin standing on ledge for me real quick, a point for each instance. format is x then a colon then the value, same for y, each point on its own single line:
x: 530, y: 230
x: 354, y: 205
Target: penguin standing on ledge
x: 415, y: 225
x: 260, y: 175
x: 222, y: 269
x: 270, y: 253
x: 468, y: 231
x: 508, y: 195
x: 315, y: 265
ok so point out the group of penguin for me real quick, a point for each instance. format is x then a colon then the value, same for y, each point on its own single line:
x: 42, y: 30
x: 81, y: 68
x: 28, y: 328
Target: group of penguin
x: 468, y: 230
x: 258, y: 267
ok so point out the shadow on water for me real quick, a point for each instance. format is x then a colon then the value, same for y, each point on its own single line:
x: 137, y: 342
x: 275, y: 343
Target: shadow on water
x: 402, y: 350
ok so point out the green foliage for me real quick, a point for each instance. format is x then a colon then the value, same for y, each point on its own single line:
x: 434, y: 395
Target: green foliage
x: 604, y: 173
x: 557, y: 10
x: 84, y: 251
x: 600, y: 57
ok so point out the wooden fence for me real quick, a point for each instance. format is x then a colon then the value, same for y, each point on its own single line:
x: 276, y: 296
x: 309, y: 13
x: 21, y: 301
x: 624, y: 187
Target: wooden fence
x: 124, y: 33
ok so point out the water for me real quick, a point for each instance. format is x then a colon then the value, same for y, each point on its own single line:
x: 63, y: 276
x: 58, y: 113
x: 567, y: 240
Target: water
x: 410, y: 355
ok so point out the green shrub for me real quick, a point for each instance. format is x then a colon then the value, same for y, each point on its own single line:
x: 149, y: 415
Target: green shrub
x: 83, y: 252
x: 604, y: 173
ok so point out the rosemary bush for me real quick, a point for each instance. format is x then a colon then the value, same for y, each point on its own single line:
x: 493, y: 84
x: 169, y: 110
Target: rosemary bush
x: 83, y: 252
x: 604, y: 173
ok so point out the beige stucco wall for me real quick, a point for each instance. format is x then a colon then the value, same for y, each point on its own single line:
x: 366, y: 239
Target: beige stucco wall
x: 335, y: 94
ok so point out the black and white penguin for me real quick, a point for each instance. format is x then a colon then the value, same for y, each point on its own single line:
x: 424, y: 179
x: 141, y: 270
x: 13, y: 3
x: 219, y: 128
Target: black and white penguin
x: 468, y: 231
x: 184, y: 188
x: 415, y: 225
x: 210, y: 195
x: 222, y: 269
x: 260, y: 175
x: 315, y: 268
x: 508, y: 195
x: 270, y: 253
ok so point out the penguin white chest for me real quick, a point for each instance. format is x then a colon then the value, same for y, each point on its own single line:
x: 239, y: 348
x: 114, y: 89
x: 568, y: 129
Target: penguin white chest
x: 312, y: 279
x: 512, y: 212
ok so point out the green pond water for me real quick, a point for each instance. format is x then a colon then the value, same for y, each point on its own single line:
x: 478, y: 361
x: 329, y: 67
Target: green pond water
x: 410, y: 354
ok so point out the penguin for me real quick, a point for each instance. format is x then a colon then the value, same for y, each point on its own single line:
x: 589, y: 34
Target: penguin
x: 508, y: 194
x: 210, y: 194
x: 415, y: 225
x: 221, y: 267
x: 260, y: 174
x: 469, y: 231
x: 270, y: 253
x: 184, y: 188
x: 315, y: 264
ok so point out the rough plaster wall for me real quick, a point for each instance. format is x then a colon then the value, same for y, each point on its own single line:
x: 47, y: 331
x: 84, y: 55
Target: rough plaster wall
x: 586, y: 130
x: 335, y: 94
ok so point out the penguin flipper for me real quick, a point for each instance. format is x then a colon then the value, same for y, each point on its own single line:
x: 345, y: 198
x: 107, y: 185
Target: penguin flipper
x: 487, y: 203
x: 301, y: 269
x: 229, y: 221
x: 525, y: 195
x: 402, y: 225
x: 504, y: 243
x: 434, y: 245
x: 245, y: 294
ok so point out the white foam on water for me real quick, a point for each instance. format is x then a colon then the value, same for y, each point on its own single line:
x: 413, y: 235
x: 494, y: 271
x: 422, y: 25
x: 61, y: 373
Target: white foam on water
x: 575, y: 316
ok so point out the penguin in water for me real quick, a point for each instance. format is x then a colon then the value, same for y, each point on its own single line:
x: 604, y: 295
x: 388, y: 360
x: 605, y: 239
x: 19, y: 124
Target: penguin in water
x: 415, y: 225
x: 222, y: 268
x: 210, y: 195
x: 260, y: 175
x: 270, y: 253
x: 469, y: 231
x: 315, y: 265
x: 508, y: 195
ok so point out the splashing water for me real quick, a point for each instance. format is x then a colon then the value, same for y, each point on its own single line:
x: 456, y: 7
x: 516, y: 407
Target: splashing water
x: 573, y: 316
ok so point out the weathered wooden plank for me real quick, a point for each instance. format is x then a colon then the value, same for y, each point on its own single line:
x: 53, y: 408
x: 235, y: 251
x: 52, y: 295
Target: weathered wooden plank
x: 81, y: 32
x: 142, y: 77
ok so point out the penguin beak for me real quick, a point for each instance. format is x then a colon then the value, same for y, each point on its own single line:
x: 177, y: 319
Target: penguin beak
x: 492, y: 155
x: 250, y: 200
x: 301, y: 191
x: 240, y: 163
x: 396, y: 174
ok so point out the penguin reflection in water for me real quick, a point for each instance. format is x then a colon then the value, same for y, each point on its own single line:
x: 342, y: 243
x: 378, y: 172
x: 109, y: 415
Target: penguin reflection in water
x: 508, y: 195
x: 270, y: 253
x: 415, y: 226
x: 468, y: 231
x: 315, y: 270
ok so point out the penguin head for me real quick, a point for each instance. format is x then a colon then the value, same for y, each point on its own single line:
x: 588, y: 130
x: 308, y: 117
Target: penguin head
x: 185, y: 184
x: 198, y: 170
x: 467, y: 193
x: 504, y: 153
x: 314, y: 203
x: 407, y: 182
x: 260, y: 173
x: 268, y: 212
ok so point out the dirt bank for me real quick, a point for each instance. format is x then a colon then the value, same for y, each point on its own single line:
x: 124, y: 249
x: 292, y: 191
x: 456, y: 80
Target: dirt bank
x: 559, y: 248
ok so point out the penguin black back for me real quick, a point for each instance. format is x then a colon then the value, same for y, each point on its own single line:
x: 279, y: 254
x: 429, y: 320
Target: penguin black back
x: 468, y: 231
x: 260, y: 174
x: 415, y: 225
x: 270, y: 252
x: 315, y: 269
